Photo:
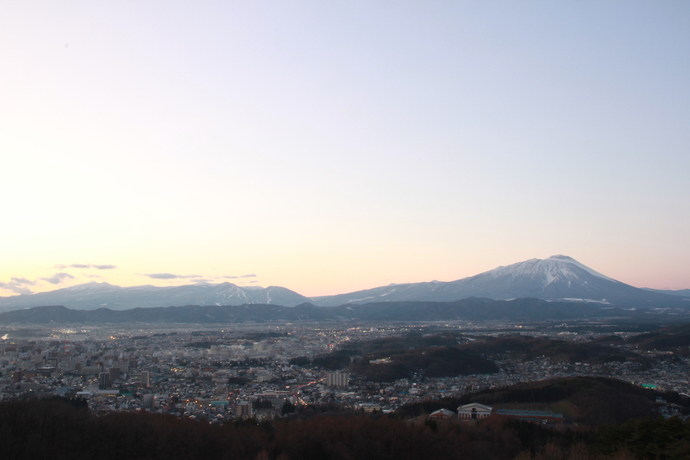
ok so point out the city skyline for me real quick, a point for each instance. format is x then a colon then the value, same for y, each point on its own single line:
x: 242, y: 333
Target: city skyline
x: 333, y: 148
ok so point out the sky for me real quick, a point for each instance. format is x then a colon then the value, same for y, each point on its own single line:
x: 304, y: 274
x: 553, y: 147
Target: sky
x: 329, y: 147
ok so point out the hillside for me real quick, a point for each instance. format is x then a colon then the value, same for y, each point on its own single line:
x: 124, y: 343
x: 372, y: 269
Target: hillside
x: 527, y: 348
x: 672, y: 338
x: 385, y: 360
x: 472, y: 309
x: 586, y: 400
x: 65, y: 429
x: 447, y: 355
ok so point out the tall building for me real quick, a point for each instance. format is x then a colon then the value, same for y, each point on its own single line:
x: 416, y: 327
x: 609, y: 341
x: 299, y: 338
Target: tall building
x: 243, y: 409
x: 103, y: 380
x: 149, y: 401
x: 115, y: 373
x: 145, y: 379
x: 337, y: 379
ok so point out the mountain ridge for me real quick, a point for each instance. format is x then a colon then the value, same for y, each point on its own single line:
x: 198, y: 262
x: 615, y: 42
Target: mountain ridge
x: 471, y: 309
x: 556, y: 278
x: 91, y: 296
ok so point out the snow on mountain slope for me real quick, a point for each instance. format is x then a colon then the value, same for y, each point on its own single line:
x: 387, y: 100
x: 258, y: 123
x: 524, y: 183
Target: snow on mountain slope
x: 91, y: 296
x: 555, y: 278
x: 546, y: 270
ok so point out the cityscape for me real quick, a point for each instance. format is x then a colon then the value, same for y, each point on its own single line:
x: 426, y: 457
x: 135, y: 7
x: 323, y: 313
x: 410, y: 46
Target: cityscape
x: 267, y: 371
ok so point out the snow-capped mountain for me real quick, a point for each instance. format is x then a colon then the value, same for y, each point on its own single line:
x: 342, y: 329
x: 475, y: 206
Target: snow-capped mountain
x: 555, y: 278
x: 91, y: 296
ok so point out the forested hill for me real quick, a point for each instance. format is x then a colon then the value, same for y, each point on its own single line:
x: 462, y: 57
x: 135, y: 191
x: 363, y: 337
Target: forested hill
x: 452, y: 354
x: 584, y: 400
x: 66, y: 429
x: 472, y: 309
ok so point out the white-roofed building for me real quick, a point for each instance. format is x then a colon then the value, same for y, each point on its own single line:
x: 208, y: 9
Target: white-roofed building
x: 473, y: 411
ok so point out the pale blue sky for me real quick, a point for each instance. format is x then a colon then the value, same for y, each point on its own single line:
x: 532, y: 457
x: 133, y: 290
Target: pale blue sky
x: 334, y: 146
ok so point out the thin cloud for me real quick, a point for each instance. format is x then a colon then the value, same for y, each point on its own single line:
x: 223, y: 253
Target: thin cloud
x: 169, y: 276
x: 252, y: 275
x: 82, y: 266
x: 17, y: 287
x: 248, y: 276
x: 23, y: 281
x: 58, y: 278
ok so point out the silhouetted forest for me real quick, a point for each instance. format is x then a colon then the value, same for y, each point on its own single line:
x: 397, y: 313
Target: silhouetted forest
x: 585, y: 400
x: 435, y: 355
x: 450, y: 354
x: 59, y: 428
x: 672, y: 338
x: 528, y: 348
x: 427, y: 362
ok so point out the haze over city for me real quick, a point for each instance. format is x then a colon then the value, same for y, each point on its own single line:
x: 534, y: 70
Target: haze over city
x: 332, y: 147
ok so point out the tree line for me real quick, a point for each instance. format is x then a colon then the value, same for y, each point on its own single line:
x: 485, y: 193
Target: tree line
x: 59, y: 428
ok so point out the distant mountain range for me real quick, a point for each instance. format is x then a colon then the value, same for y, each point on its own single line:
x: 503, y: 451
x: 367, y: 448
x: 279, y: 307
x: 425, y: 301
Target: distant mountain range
x: 557, y: 278
x: 472, y: 309
x: 91, y: 296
